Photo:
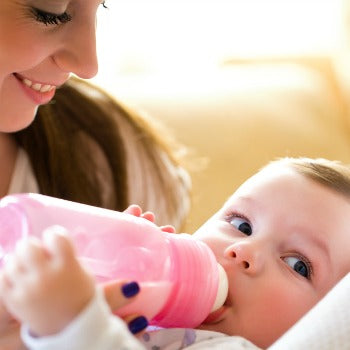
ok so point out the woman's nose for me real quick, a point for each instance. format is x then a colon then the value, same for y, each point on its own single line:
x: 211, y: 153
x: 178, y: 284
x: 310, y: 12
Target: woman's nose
x: 247, y: 255
x: 78, y: 52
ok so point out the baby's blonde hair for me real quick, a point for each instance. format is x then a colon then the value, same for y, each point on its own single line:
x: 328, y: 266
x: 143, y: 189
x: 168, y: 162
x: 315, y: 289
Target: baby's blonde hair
x: 330, y: 173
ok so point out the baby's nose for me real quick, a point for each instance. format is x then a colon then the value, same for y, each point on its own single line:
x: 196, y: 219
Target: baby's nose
x: 246, y: 255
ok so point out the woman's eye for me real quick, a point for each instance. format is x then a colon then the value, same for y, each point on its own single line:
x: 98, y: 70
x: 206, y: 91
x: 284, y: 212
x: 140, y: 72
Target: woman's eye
x: 302, y: 267
x: 241, y: 225
x: 49, y: 18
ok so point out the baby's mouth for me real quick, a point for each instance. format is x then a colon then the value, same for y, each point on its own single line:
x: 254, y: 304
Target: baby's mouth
x: 217, y: 316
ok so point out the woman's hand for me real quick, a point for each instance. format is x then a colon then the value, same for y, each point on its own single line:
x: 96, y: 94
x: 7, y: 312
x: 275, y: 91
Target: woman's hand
x: 119, y: 294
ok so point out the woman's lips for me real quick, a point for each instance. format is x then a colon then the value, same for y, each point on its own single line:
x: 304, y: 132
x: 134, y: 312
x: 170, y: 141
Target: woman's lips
x: 38, y: 93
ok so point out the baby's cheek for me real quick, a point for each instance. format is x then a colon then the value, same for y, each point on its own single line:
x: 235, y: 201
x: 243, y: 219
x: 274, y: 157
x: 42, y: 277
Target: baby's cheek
x: 287, y: 306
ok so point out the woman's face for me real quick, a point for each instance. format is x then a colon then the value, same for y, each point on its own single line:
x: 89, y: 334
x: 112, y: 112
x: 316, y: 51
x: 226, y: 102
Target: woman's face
x: 41, y: 43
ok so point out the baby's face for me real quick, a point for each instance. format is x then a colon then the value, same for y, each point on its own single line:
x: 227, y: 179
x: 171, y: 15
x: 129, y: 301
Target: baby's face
x: 284, y: 241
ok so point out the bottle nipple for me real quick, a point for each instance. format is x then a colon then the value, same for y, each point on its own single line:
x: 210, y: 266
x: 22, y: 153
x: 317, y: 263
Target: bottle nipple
x: 222, y: 289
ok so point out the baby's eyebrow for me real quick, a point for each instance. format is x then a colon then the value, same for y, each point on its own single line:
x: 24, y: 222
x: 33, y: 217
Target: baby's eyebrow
x: 320, y: 243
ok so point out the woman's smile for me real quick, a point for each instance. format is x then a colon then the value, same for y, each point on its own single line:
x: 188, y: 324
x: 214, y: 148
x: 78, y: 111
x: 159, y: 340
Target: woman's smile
x: 39, y: 93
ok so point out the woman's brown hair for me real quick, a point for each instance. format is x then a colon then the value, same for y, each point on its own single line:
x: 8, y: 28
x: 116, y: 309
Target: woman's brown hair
x: 59, y: 143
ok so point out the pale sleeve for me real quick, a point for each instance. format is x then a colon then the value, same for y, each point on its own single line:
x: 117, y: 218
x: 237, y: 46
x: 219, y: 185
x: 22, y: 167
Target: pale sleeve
x: 226, y: 343
x: 94, y: 328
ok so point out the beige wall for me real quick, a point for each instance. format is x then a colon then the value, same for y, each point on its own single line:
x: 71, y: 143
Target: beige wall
x: 237, y: 118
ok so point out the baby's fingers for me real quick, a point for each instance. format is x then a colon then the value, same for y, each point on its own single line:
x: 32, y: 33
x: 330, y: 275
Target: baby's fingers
x: 136, y: 210
x: 19, y: 266
x: 58, y: 243
x: 30, y: 253
x: 133, y: 209
x: 168, y: 228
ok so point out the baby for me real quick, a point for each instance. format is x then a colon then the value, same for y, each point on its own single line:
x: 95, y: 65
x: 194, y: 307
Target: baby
x: 282, y: 239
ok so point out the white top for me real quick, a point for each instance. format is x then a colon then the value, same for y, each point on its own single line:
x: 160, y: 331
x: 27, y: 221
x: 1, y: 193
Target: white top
x: 324, y: 327
x: 95, y: 328
x: 23, y: 179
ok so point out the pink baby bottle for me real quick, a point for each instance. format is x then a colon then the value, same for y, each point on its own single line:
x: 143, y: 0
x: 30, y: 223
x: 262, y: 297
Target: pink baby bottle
x: 180, y: 280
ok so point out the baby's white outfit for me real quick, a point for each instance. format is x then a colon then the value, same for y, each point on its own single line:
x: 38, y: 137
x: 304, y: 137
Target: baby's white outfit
x: 95, y: 328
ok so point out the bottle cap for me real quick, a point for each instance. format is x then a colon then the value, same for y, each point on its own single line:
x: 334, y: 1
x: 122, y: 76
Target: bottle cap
x: 222, y: 289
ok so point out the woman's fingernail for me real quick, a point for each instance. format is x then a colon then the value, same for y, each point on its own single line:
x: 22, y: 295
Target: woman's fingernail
x: 130, y: 289
x: 138, y: 324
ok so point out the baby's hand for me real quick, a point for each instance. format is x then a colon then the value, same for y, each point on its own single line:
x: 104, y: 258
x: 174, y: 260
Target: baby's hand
x: 9, y: 331
x: 44, y: 285
x: 136, y: 210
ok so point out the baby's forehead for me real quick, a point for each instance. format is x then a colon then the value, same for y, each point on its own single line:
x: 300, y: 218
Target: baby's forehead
x: 270, y: 176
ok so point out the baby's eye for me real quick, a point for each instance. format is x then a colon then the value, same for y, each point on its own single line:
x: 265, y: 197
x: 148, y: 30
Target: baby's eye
x: 242, y: 225
x: 300, y: 266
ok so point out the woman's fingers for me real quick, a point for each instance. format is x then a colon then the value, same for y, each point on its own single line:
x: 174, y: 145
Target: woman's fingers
x: 136, y: 323
x: 119, y: 293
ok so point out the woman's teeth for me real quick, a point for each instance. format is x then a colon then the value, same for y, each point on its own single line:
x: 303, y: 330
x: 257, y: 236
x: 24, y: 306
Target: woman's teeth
x: 38, y: 87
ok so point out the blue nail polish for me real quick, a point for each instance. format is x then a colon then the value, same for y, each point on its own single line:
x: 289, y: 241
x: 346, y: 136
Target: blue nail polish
x: 138, y: 324
x: 130, y: 289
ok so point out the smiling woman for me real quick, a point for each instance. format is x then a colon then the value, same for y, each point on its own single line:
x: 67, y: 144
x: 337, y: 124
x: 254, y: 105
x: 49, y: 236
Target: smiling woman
x: 40, y: 47
x: 70, y: 139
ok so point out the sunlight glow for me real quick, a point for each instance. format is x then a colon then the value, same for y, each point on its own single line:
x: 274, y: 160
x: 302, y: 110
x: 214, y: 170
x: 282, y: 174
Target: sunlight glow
x: 138, y: 36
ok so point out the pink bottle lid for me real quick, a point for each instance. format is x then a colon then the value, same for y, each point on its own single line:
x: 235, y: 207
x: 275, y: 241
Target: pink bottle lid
x: 199, y: 280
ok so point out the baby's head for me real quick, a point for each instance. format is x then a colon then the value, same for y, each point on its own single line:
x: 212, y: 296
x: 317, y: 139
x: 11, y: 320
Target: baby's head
x: 284, y: 240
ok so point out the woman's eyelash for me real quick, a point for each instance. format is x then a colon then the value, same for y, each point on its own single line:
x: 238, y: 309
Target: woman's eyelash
x: 48, y: 18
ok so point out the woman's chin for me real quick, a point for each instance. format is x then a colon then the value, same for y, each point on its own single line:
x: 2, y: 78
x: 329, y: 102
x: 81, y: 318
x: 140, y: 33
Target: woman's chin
x: 16, y: 121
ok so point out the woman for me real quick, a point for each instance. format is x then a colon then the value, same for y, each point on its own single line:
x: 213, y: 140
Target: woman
x: 81, y: 145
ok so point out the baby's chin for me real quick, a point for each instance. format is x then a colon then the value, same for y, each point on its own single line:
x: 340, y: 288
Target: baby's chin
x: 216, y: 323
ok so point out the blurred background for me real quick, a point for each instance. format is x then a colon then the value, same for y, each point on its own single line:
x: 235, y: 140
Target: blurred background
x: 238, y: 83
